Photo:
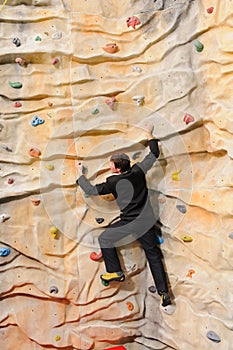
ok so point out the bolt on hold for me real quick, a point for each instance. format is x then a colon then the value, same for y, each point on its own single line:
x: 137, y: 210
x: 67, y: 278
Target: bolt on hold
x: 16, y: 41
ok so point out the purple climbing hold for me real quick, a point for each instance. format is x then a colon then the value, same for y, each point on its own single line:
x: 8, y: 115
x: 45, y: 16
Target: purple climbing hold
x: 213, y: 336
x: 152, y: 289
x: 37, y: 121
x: 181, y: 208
x: 17, y: 42
x: 4, y: 251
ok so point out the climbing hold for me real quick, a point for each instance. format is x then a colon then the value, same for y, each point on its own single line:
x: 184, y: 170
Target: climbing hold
x: 213, y: 336
x: 111, y: 48
x: 17, y: 104
x: 116, y: 348
x: 139, y: 99
x: 53, y: 289
x: 210, y: 9
x: 10, y: 181
x: 35, y: 201
x: 50, y: 104
x: 54, y: 231
x: 57, y: 35
x: 56, y: 61
x: 132, y: 21
x: 17, y: 42
x: 161, y: 199
x: 175, y: 175
x: 20, y: 61
x: 136, y: 69
x: 86, y: 195
x: 4, y: 251
x: 57, y: 338
x: 37, y: 121
x: 6, y: 148
x: 34, y: 152
x: 188, y: 118
x: 181, y: 208
x: 129, y: 306
x: 96, y: 256
x: 38, y: 38
x: 84, y: 170
x: 159, y: 239
x: 50, y: 167
x: 190, y: 273
x: 136, y: 155
x: 231, y: 235
x: 152, y: 289
x: 99, y: 220
x: 16, y: 85
x: 96, y: 111
x: 186, y: 238
x: 111, y: 102
x: 4, y: 217
x: 199, y: 46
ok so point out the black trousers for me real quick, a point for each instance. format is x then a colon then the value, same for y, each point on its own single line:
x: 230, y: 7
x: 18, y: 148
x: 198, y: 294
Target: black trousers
x: 124, y: 232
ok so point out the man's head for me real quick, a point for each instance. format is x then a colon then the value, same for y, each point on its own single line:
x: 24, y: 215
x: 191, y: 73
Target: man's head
x: 119, y: 163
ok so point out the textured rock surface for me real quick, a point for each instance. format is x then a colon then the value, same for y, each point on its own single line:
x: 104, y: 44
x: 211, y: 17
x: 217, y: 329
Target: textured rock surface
x: 66, y: 78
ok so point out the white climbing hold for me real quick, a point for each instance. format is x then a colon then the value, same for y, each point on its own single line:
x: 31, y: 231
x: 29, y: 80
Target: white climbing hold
x: 57, y: 35
x: 136, y: 69
x: 139, y: 99
x: 4, y: 217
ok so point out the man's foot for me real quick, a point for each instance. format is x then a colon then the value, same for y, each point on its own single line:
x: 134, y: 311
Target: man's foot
x: 166, y: 304
x: 113, y: 276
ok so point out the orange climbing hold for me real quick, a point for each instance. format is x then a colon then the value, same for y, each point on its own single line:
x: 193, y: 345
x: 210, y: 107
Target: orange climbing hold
x: 190, y: 273
x: 130, y: 306
x: 34, y: 152
x: 111, y: 48
x: 96, y: 256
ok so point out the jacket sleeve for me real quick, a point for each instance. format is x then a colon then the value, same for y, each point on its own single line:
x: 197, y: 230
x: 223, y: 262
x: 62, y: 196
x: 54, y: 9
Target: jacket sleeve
x: 88, y: 188
x: 150, y: 159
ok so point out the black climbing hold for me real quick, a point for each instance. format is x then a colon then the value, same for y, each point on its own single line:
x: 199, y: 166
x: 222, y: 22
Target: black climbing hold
x: 181, y: 208
x: 99, y: 220
x: 17, y: 42
x: 136, y: 155
x: 8, y: 149
x: 152, y: 289
x: 231, y: 235
x: 213, y: 336
x: 84, y: 170
x: 53, y: 289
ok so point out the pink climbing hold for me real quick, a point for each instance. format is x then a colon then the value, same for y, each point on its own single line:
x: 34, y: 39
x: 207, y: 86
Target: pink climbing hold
x: 10, y: 181
x: 188, y: 118
x: 111, y: 102
x: 17, y: 104
x: 210, y: 9
x: 132, y: 21
x: 55, y: 61
x: 96, y: 256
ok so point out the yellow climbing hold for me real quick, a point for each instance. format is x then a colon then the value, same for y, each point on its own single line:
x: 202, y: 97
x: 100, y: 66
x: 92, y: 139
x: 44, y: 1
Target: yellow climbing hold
x: 186, y: 238
x: 175, y: 175
x: 3, y: 5
x: 49, y: 167
x: 54, y: 231
x: 57, y: 338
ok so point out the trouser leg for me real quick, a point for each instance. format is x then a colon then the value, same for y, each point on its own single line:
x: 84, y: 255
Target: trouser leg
x: 154, y: 257
x: 107, y: 241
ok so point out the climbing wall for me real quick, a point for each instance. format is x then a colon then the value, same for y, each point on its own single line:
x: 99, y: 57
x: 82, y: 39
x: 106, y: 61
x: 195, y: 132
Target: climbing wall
x: 79, y: 80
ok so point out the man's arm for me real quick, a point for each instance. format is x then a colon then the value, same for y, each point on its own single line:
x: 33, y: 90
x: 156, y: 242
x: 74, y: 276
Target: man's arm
x: 87, y: 187
x: 150, y: 159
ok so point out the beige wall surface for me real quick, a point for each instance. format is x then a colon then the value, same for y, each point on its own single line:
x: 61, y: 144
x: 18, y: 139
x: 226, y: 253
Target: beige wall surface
x: 79, y: 80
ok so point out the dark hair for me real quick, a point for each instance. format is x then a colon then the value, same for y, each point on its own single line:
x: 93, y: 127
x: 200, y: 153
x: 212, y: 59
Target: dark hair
x: 121, y: 161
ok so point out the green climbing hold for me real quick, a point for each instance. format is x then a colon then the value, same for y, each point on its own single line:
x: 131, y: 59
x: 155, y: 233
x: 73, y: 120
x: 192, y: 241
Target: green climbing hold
x: 199, y: 46
x: 38, y: 38
x: 16, y: 85
x: 96, y: 111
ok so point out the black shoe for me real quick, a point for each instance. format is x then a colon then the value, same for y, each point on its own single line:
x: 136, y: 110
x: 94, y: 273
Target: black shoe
x: 165, y: 299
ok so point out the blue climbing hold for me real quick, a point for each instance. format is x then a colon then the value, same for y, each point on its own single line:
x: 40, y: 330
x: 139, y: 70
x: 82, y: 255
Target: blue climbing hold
x: 37, y: 121
x: 213, y: 336
x: 181, y: 208
x: 4, y: 251
x: 159, y: 239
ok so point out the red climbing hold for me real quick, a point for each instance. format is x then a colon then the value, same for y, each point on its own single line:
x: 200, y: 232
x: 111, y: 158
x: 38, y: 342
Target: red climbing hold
x: 188, y: 118
x: 10, y: 181
x: 96, y: 256
x: 55, y: 61
x: 133, y: 21
x: 116, y: 348
x: 17, y: 104
x: 210, y: 9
